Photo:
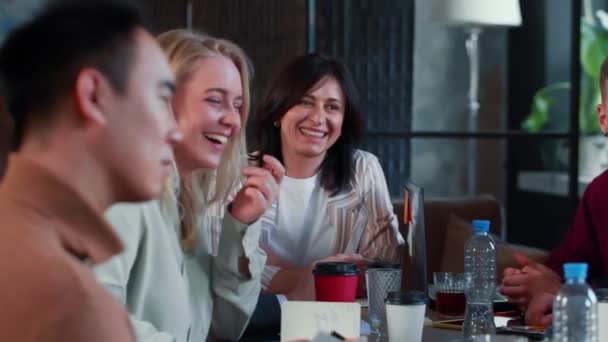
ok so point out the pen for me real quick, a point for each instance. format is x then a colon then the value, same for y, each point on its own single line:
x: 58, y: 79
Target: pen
x: 338, y: 336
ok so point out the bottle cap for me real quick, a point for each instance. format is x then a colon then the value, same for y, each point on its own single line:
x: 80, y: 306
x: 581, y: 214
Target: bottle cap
x: 481, y: 226
x: 575, y: 270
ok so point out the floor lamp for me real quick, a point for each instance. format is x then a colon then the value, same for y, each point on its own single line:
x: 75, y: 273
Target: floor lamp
x: 473, y: 15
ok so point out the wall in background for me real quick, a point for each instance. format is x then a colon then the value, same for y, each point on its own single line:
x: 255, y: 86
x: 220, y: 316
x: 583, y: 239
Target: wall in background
x: 441, y: 79
x: 440, y: 76
x: 272, y: 32
x: 372, y: 37
x: 14, y: 12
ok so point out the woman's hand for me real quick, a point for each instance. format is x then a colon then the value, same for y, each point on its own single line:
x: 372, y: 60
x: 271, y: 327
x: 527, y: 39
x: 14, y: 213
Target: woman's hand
x: 305, y: 287
x: 259, y: 192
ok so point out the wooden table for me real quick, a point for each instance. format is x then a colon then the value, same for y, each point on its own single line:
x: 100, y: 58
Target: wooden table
x: 431, y: 334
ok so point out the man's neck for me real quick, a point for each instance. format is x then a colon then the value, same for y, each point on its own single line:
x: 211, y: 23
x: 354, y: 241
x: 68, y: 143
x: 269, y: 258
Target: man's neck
x: 76, y: 168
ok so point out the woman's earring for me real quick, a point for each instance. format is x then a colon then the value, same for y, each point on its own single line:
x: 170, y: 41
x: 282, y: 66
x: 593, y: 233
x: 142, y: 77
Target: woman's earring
x: 605, y: 133
x: 277, y: 123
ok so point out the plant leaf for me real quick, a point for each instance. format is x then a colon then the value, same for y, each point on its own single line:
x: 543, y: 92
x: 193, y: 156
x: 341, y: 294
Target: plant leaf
x: 541, y: 104
x: 539, y: 113
x: 594, y: 48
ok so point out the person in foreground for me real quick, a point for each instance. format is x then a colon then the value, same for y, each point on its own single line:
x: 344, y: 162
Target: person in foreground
x: 534, y: 286
x: 81, y: 80
x: 192, y: 260
x: 334, y: 203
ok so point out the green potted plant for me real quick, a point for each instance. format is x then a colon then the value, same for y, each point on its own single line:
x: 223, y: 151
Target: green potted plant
x: 593, y: 50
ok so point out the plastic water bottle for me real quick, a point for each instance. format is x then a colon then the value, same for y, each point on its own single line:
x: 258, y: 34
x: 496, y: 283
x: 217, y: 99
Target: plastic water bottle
x: 575, y: 307
x: 480, y: 284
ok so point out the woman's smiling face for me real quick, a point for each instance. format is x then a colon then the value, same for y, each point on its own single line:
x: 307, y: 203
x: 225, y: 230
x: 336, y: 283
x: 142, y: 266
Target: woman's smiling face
x: 208, y: 112
x: 312, y: 126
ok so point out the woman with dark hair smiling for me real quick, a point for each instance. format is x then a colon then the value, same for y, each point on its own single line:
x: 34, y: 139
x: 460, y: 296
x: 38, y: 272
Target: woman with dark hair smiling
x: 333, y: 203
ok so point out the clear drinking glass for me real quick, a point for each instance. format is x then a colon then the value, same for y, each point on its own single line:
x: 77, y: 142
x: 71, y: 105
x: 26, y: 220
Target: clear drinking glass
x: 449, y: 293
x: 380, y: 278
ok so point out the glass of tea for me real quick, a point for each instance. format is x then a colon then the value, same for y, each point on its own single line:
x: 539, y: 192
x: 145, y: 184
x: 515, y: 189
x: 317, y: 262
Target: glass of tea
x: 449, y: 293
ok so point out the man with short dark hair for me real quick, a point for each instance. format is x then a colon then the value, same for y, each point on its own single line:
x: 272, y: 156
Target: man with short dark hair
x: 533, y: 287
x: 88, y: 90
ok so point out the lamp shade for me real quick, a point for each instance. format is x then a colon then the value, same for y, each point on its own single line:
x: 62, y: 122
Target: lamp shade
x: 477, y: 12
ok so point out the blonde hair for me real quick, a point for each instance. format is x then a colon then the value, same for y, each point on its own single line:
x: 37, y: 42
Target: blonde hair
x: 192, y: 203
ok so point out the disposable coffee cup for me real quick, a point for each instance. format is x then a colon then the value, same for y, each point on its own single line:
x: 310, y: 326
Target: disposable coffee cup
x: 405, y: 315
x: 602, y: 314
x: 335, y: 281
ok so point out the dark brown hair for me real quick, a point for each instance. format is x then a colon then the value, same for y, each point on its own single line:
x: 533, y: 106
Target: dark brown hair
x: 39, y: 62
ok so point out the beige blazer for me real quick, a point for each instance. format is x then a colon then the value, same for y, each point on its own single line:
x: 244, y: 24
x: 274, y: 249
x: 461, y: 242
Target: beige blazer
x: 49, y: 238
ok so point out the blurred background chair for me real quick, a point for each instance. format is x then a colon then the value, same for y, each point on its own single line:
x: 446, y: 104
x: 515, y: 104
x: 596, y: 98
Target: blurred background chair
x: 448, y: 227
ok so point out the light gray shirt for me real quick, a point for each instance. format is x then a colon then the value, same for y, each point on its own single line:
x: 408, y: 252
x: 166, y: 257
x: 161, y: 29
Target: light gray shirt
x: 177, y: 296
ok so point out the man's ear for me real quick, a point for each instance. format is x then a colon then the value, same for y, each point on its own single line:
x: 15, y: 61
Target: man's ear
x: 92, y: 91
x: 601, y: 114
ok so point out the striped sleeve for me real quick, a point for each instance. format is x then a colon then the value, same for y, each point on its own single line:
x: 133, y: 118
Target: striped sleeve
x: 267, y: 274
x: 382, y: 237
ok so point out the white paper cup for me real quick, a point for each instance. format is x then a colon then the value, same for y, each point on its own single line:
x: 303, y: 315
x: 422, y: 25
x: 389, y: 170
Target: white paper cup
x: 602, y: 314
x: 602, y: 319
x: 405, y: 315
